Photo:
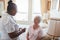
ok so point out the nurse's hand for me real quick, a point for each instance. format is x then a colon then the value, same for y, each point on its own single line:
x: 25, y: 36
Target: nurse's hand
x: 20, y: 29
x: 23, y: 30
x: 16, y: 33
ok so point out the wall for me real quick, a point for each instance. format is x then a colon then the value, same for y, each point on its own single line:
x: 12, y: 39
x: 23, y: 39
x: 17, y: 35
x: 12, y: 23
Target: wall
x: 45, y: 9
x: 2, y: 3
x: 43, y: 2
x: 44, y: 6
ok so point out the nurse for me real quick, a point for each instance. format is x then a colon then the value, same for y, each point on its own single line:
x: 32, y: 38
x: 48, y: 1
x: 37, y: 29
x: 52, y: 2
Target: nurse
x: 10, y: 28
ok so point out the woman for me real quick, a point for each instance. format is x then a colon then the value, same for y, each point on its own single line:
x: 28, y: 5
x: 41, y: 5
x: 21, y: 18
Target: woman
x: 35, y: 32
x: 10, y: 28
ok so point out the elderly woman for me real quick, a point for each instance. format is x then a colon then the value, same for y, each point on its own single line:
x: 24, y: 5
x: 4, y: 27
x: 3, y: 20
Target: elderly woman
x: 35, y: 31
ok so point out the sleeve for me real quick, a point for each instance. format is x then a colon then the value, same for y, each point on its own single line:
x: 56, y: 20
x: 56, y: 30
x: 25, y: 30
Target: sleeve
x: 5, y: 19
x: 29, y: 29
x: 10, y: 27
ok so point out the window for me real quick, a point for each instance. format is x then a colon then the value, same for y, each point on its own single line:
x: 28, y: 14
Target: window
x: 27, y: 10
x: 36, y: 8
x: 54, y: 4
x: 54, y: 9
x: 22, y: 7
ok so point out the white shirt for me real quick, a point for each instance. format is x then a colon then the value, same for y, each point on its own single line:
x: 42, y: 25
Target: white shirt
x: 33, y: 34
x: 0, y: 28
x: 9, y: 26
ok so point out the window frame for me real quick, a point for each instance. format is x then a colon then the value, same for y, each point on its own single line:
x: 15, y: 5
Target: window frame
x: 29, y: 14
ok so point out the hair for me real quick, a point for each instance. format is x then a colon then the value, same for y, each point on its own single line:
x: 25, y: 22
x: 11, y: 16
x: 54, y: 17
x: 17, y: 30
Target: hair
x: 10, y: 6
x: 38, y: 18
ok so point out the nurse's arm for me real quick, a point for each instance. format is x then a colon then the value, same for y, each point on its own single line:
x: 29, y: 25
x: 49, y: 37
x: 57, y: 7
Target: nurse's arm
x: 16, y: 33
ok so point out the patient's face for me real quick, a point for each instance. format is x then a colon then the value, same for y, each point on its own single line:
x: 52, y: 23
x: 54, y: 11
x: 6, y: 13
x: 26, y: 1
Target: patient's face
x: 36, y: 20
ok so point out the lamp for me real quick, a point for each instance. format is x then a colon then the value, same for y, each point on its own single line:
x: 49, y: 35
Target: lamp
x: 54, y: 28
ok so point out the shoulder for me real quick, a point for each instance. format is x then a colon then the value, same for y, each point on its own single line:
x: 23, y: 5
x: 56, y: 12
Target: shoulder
x: 5, y: 15
x: 31, y: 26
x: 5, y: 18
